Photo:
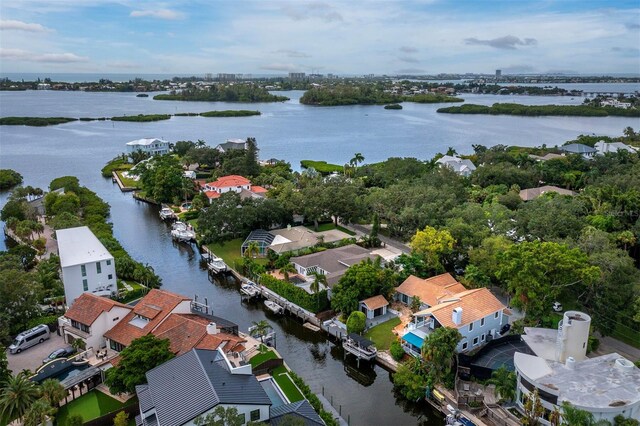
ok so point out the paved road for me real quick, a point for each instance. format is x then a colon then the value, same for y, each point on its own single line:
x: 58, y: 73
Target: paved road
x: 609, y: 344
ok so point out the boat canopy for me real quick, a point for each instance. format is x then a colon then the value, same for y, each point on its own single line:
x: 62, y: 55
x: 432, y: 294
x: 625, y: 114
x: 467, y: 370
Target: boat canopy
x: 360, y: 341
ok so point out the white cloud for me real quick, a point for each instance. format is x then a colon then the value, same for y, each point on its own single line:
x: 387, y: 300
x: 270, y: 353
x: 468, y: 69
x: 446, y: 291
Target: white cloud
x: 23, y: 55
x: 277, y: 66
x: 292, y: 53
x: 9, y: 24
x: 167, y: 14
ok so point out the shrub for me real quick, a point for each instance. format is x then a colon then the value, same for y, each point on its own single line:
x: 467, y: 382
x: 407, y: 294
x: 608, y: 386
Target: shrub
x: 9, y: 178
x: 75, y: 420
x: 396, y: 351
x: 311, y: 302
x: 356, y: 322
x: 593, y: 344
x: 48, y: 320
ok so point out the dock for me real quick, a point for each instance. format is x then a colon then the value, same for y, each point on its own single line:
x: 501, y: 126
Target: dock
x: 116, y: 179
x: 288, y: 307
x: 311, y: 326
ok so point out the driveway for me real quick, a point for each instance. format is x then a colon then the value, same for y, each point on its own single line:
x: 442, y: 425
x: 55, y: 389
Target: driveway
x: 31, y: 358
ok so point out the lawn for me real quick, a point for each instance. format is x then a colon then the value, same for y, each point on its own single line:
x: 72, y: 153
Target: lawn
x: 128, y: 182
x: 90, y: 406
x: 229, y: 251
x: 382, y: 334
x: 260, y: 358
x: 321, y: 166
x: 329, y: 226
x: 285, y: 383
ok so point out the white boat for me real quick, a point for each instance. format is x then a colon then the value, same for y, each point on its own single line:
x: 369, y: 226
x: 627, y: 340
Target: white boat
x: 359, y: 346
x: 273, y: 307
x: 167, y: 214
x: 249, y: 289
x: 182, y: 232
x: 216, y: 264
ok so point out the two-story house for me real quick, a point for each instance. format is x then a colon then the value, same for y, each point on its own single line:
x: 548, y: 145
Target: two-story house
x: 151, y: 146
x: 87, y: 266
x: 89, y: 318
x: 232, y: 183
x: 428, y: 290
x: 477, y: 314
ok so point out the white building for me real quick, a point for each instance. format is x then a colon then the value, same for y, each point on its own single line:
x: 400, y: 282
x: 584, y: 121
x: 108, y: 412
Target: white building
x: 615, y: 103
x: 152, y: 146
x: 604, y: 147
x: 89, y: 318
x: 87, y: 266
x: 461, y: 166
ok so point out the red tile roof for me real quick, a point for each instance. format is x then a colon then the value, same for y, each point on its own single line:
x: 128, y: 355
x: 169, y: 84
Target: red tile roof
x: 257, y: 189
x: 88, y: 307
x: 431, y: 290
x: 375, y: 302
x: 475, y: 304
x: 157, y: 301
x: 227, y: 181
x: 212, y: 194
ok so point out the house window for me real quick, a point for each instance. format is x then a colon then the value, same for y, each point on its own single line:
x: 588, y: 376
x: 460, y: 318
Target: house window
x: 481, y: 322
x: 108, y: 262
x: 255, y: 415
x: 80, y: 326
x: 85, y: 285
x: 496, y: 315
x: 98, y: 268
x: 83, y: 269
x: 116, y: 346
x: 110, y: 276
x: 475, y: 341
x: 464, y: 346
x: 471, y: 326
x: 482, y: 338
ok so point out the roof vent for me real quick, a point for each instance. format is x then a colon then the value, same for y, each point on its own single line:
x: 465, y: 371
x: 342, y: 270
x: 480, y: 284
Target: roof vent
x: 570, y: 363
x: 624, y: 365
x: 211, y: 328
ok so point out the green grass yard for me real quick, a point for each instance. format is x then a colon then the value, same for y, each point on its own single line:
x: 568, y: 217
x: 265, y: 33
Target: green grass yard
x: 128, y: 182
x: 229, y: 251
x: 382, y: 334
x: 286, y: 384
x: 90, y: 406
x: 329, y: 226
x: 262, y: 357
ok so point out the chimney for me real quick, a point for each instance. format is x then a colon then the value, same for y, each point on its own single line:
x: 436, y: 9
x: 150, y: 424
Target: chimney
x: 570, y: 363
x: 212, y: 329
x: 456, y: 316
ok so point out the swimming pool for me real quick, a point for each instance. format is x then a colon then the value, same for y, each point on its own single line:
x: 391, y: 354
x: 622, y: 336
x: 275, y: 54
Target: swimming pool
x: 273, y: 392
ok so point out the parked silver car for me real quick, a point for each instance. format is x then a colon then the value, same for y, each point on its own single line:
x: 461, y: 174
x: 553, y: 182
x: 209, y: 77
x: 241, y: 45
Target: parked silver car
x: 26, y: 339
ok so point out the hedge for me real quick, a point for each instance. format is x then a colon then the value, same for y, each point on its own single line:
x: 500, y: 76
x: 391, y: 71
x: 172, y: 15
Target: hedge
x: 313, y: 400
x: 310, y: 302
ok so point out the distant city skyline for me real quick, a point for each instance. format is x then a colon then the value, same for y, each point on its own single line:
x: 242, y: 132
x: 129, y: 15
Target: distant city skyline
x: 277, y: 37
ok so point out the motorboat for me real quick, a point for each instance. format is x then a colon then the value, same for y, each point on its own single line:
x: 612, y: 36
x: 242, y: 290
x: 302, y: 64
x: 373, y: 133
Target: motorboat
x: 216, y: 264
x: 167, y: 214
x: 273, y: 307
x: 182, y: 232
x: 249, y: 289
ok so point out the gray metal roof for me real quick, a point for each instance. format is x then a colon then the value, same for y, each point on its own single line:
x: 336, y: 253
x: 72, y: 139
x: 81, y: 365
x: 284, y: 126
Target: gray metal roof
x: 301, y: 409
x: 361, y: 341
x: 259, y: 236
x: 185, y: 387
x: 144, y: 397
x: 578, y: 148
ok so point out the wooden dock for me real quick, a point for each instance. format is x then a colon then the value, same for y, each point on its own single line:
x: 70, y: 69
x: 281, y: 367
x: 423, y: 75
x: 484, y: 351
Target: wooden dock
x: 291, y: 308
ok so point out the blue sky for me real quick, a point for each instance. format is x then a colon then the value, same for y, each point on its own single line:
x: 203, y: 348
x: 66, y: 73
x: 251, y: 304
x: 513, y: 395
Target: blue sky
x: 342, y: 37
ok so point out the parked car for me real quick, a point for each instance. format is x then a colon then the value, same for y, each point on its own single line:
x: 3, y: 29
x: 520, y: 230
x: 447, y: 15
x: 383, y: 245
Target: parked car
x: 557, y: 306
x: 59, y: 353
x: 505, y: 328
x: 26, y: 339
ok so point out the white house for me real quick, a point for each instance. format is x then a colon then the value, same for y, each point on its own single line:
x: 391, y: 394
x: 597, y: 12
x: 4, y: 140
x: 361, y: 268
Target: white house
x: 615, y: 103
x: 477, y: 314
x: 605, y: 147
x: 232, y: 145
x: 89, y: 318
x: 232, y: 183
x: 152, y: 146
x: 461, y: 166
x: 87, y: 266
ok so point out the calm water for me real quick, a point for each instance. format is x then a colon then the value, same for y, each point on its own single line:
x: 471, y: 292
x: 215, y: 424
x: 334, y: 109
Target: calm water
x: 285, y: 130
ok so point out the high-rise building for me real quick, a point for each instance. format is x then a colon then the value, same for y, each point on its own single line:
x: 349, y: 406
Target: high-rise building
x: 295, y: 76
x: 226, y: 77
x: 498, y: 74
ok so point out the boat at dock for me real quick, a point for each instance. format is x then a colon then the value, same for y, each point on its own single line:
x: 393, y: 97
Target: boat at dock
x: 360, y: 347
x: 273, y: 307
x: 216, y: 264
x: 167, y: 214
x: 182, y: 232
x: 249, y: 290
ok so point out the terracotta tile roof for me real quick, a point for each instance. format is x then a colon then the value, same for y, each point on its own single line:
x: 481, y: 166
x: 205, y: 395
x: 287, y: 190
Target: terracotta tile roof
x: 212, y: 194
x: 431, y: 290
x: 88, y: 307
x: 227, y: 181
x: 257, y: 189
x: 375, y: 302
x: 475, y: 304
x: 155, y: 300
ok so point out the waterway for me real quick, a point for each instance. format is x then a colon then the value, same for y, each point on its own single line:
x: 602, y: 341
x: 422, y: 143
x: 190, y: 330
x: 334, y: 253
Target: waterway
x: 288, y: 131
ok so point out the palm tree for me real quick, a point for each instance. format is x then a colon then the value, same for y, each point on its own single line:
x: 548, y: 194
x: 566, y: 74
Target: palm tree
x: 357, y: 159
x: 38, y: 413
x: 52, y: 391
x: 505, y: 382
x: 252, y: 250
x: 286, y: 270
x: 315, y: 285
x: 18, y: 395
x: 260, y: 328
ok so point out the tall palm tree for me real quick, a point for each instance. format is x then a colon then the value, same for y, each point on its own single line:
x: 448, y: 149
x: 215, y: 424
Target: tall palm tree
x: 252, y: 250
x: 357, y: 159
x: 52, y: 391
x: 38, y: 413
x: 260, y: 328
x: 18, y: 395
x: 315, y: 285
x: 286, y: 270
x: 505, y: 382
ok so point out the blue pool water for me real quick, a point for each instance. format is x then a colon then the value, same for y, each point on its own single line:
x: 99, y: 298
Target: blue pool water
x: 269, y: 387
x: 75, y: 370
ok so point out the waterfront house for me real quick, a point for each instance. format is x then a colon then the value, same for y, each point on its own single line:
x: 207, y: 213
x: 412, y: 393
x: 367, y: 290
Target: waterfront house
x: 612, y: 147
x: 177, y: 318
x: 461, y: 166
x: 89, y: 318
x: 428, y: 290
x: 232, y: 183
x: 301, y: 410
x: 151, y: 146
x: 374, y: 306
x: 87, y: 266
x: 232, y: 145
x: 291, y: 239
x: 332, y: 263
x: 615, y: 103
x: 533, y: 193
x: 195, y: 384
x: 36, y: 202
x: 477, y: 314
x: 579, y: 149
x: 546, y: 157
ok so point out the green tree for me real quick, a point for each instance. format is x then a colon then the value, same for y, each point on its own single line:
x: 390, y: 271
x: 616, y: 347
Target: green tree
x: 75, y: 420
x: 505, y: 383
x: 432, y: 245
x: 363, y: 280
x: 252, y: 250
x: 251, y: 165
x: 396, y: 350
x: 162, y: 178
x: 261, y: 328
x: 356, y: 322
x: 532, y: 408
x: 140, y: 356
x: 572, y: 416
x: 5, y: 373
x: 38, y: 413
x: 286, y: 270
x: 439, y: 351
x: 410, y: 380
x: 220, y: 416
x: 52, y: 392
x: 415, y: 304
x: 121, y: 419
x: 17, y: 395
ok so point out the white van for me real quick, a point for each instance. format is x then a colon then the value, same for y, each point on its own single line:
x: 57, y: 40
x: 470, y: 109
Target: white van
x: 26, y: 339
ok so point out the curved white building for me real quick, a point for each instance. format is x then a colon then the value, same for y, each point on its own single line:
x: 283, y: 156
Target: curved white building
x: 573, y: 336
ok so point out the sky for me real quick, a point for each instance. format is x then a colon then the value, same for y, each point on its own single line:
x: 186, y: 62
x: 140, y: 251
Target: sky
x: 340, y: 37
